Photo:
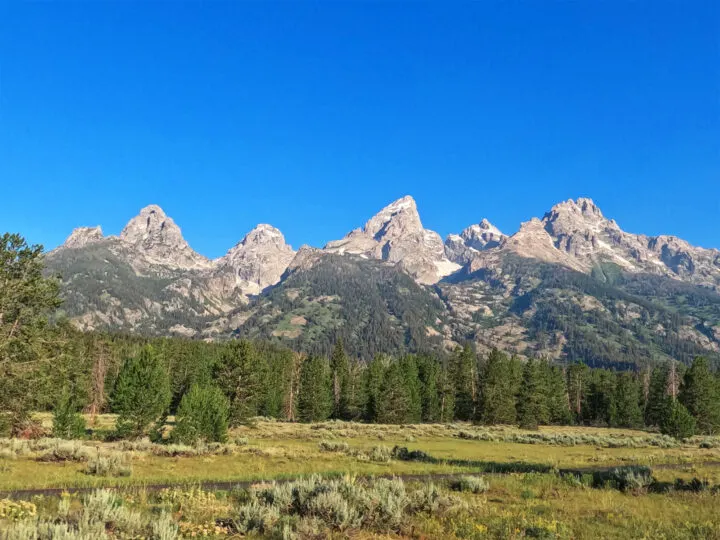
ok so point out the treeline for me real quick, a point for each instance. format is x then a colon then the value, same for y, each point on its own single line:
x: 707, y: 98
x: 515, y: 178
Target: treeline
x: 209, y: 386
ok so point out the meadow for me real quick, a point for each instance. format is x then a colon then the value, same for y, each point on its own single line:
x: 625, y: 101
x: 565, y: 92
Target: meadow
x: 429, y: 480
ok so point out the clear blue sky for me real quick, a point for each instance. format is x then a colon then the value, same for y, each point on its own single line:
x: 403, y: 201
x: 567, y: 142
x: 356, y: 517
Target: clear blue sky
x: 312, y: 116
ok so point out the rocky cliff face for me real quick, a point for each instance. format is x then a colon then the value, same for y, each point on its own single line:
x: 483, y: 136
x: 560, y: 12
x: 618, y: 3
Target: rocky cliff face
x: 395, y: 234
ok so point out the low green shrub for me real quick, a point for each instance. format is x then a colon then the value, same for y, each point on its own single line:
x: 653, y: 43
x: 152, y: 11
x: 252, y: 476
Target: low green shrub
x: 471, y: 484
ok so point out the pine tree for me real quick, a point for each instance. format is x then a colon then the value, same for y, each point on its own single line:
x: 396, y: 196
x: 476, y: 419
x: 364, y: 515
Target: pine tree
x: 395, y: 403
x: 558, y: 407
x: 238, y: 374
x: 202, y: 415
x: 26, y: 344
x: 408, y: 366
x: 315, y: 400
x: 658, y: 399
x: 498, y: 389
x: 677, y: 421
x: 142, y: 392
x: 532, y: 400
x: 68, y: 423
x: 373, y: 379
x: 577, y: 382
x: 699, y: 394
x: 340, y: 368
x: 446, y: 394
x: 600, y: 395
x: 429, y: 373
x: 626, y: 410
x: 465, y: 378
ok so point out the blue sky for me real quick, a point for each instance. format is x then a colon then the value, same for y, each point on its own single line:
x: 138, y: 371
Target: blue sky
x: 312, y: 116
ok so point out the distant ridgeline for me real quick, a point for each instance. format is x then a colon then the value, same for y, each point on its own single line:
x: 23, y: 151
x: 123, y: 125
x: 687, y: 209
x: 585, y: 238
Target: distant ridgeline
x: 571, y: 286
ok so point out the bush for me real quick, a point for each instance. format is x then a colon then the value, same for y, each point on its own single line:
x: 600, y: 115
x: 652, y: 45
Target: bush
x: 67, y: 451
x: 333, y: 446
x: 403, y: 454
x: 68, y: 423
x: 630, y: 478
x: 202, y: 415
x: 115, y: 464
x: 471, y: 484
x: 380, y: 454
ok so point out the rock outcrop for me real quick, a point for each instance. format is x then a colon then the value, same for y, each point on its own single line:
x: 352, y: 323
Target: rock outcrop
x: 82, y: 236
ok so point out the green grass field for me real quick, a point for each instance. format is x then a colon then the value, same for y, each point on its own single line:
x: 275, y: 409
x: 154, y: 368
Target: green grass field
x: 530, y: 494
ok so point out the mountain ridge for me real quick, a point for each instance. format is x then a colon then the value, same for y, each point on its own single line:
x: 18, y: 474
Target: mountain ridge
x: 485, y: 286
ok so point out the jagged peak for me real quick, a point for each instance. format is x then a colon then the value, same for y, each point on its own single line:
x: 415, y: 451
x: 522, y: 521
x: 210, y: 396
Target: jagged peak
x: 484, y: 227
x: 404, y: 206
x: 582, y: 205
x: 262, y: 234
x: 83, y: 236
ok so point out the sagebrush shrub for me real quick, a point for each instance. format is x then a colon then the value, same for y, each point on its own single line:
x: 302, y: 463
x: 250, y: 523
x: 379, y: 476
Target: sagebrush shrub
x: 471, y: 484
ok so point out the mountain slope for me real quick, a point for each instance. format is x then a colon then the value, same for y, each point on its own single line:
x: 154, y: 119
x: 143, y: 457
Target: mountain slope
x: 373, y: 306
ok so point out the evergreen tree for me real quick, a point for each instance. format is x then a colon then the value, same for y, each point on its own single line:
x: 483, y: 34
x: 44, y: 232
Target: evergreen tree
x: 142, y: 392
x: 315, y: 400
x: 626, y: 410
x: 26, y: 344
x: 465, y: 378
x: 340, y: 368
x: 532, y: 400
x: 699, y: 394
x: 446, y: 394
x: 577, y: 382
x: 658, y: 399
x: 238, y: 374
x: 395, y: 403
x: 429, y: 373
x: 202, y: 415
x: 68, y: 423
x: 373, y: 379
x: 601, y: 392
x: 558, y: 408
x: 408, y: 366
x: 498, y: 388
x: 677, y: 421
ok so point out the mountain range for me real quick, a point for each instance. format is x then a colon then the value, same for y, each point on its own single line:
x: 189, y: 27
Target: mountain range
x: 571, y: 285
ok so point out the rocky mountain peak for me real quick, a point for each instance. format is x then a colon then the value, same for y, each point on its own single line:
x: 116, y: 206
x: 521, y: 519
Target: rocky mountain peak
x: 256, y: 262
x: 83, y: 236
x: 156, y: 237
x: 401, y: 214
x: 263, y: 234
x: 478, y: 237
x: 395, y: 234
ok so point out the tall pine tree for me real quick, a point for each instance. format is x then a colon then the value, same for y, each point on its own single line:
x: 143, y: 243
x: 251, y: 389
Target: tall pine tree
x: 626, y: 410
x: 465, y: 379
x: 340, y: 368
x: 699, y: 394
x: 315, y: 401
x: 498, y: 389
x: 238, y: 375
x: 532, y: 400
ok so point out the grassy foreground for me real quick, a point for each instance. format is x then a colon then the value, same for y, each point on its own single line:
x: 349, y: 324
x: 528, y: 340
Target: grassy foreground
x: 527, y: 491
